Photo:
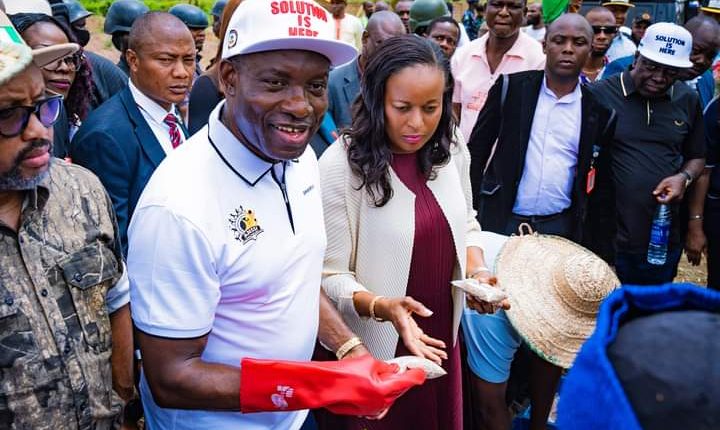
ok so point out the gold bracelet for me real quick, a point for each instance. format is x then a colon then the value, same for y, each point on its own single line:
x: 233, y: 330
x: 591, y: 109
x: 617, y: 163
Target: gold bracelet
x: 478, y: 271
x: 346, y: 347
x: 371, y: 308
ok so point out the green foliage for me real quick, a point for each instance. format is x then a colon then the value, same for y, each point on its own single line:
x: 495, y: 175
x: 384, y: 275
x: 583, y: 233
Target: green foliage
x: 100, y: 7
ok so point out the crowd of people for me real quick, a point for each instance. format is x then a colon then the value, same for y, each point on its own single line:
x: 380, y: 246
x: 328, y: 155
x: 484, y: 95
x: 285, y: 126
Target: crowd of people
x: 505, y: 197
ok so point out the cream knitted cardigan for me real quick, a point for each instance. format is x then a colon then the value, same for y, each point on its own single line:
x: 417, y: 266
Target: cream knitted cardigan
x: 370, y: 248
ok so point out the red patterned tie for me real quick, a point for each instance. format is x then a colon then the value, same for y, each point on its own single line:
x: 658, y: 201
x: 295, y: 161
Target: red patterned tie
x: 175, y: 138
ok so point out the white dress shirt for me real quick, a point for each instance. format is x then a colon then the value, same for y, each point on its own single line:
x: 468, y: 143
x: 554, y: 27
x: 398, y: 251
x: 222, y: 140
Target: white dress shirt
x: 154, y: 115
x: 551, y: 159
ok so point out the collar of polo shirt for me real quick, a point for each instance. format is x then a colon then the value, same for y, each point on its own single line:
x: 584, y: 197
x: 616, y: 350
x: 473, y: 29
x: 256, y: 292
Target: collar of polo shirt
x: 235, y: 154
x: 628, y: 86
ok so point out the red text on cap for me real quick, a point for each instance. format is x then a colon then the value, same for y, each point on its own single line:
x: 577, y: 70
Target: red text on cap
x: 298, y: 8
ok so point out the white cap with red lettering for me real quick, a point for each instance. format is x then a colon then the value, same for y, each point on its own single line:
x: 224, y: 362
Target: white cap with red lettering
x: 264, y: 25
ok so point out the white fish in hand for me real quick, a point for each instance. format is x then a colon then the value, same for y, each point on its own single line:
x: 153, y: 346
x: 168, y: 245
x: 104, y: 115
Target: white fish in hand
x: 406, y: 362
x: 484, y: 292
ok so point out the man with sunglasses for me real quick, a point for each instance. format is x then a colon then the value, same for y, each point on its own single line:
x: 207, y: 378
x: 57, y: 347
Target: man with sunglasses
x: 621, y: 44
x: 602, y: 22
x: 658, y: 148
x: 65, y: 325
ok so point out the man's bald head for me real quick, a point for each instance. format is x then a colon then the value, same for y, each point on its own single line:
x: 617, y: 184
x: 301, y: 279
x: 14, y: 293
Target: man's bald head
x: 598, y: 12
x: 380, y: 27
x: 161, y: 56
x: 385, y: 21
x: 154, y: 26
x: 381, y: 5
x: 703, y: 24
x: 705, y: 32
x: 570, y: 20
x: 567, y: 46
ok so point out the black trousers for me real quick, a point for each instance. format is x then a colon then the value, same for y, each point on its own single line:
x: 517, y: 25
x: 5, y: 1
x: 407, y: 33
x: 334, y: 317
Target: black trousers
x: 559, y: 224
x: 711, y: 225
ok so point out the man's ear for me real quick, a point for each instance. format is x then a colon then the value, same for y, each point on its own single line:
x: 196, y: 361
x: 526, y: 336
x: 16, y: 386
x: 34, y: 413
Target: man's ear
x: 227, y: 78
x: 132, y: 59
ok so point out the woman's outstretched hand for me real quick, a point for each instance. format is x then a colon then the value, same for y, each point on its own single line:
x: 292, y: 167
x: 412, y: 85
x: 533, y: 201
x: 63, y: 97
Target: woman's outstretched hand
x: 399, y: 311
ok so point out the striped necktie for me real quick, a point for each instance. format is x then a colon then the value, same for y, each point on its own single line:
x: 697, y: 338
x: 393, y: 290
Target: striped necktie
x: 175, y: 138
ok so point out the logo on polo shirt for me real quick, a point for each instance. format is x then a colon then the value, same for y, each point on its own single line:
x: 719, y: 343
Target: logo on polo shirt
x: 244, y: 225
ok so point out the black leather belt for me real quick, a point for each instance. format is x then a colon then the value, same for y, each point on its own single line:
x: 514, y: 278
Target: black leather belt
x: 532, y: 219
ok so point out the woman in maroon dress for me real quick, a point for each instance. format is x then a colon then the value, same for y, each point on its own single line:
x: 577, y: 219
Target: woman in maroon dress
x: 400, y: 227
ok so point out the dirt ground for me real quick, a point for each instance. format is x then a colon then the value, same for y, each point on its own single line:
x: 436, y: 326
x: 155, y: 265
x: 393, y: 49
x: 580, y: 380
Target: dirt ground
x: 101, y: 44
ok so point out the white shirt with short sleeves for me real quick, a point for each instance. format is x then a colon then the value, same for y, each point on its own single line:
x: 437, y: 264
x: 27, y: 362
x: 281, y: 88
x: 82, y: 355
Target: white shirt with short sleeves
x: 213, y: 252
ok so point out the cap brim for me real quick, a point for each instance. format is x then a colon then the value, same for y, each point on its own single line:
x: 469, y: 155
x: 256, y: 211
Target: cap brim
x: 44, y: 56
x: 14, y: 58
x: 613, y: 3
x: 336, y: 51
x: 654, y: 56
x: 710, y: 9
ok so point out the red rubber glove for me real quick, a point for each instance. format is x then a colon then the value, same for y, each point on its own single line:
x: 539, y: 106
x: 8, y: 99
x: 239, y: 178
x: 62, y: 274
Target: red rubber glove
x: 355, y: 386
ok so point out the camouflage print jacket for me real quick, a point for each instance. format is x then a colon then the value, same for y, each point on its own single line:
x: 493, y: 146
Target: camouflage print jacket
x: 55, y: 339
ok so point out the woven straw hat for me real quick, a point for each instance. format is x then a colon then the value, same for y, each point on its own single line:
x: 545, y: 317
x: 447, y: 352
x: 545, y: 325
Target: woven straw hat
x: 555, y: 288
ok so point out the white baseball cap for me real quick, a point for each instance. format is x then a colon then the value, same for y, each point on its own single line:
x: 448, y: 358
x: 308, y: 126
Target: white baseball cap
x: 41, y: 56
x: 667, y: 44
x: 264, y: 25
x: 27, y: 6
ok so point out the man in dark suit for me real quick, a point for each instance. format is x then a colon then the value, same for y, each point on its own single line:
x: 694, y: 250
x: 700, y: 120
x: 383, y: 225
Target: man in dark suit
x: 344, y: 82
x: 550, y: 165
x: 125, y: 139
x: 539, y: 154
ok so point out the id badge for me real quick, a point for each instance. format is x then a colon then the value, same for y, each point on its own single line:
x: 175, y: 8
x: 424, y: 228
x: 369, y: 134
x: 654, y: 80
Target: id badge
x: 590, y: 180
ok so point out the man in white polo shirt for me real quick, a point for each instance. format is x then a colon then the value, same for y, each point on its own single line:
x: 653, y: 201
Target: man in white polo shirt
x: 227, y: 244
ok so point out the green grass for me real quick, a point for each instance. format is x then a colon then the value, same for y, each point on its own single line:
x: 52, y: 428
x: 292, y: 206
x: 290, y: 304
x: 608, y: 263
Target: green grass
x: 100, y: 7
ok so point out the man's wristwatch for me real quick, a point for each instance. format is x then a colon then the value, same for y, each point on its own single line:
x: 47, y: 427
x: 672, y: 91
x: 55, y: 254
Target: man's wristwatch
x: 688, y: 178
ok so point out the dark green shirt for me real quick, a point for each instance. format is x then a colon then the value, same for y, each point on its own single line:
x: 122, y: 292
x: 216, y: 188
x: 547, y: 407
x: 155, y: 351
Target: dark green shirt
x: 653, y: 139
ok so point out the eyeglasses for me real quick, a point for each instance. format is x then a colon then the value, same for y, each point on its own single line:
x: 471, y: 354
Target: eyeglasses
x: 73, y: 62
x: 14, y: 120
x: 653, y: 67
x: 607, y: 29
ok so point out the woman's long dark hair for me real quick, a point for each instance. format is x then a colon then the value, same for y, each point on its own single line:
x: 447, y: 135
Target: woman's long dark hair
x: 369, y: 151
x: 80, y: 96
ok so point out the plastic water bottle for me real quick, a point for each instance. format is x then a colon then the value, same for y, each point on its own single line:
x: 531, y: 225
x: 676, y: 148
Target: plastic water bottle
x: 659, y: 235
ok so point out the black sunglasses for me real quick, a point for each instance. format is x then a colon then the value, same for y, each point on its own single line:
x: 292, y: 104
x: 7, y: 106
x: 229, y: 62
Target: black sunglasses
x: 73, y: 62
x: 607, y: 29
x: 14, y: 120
